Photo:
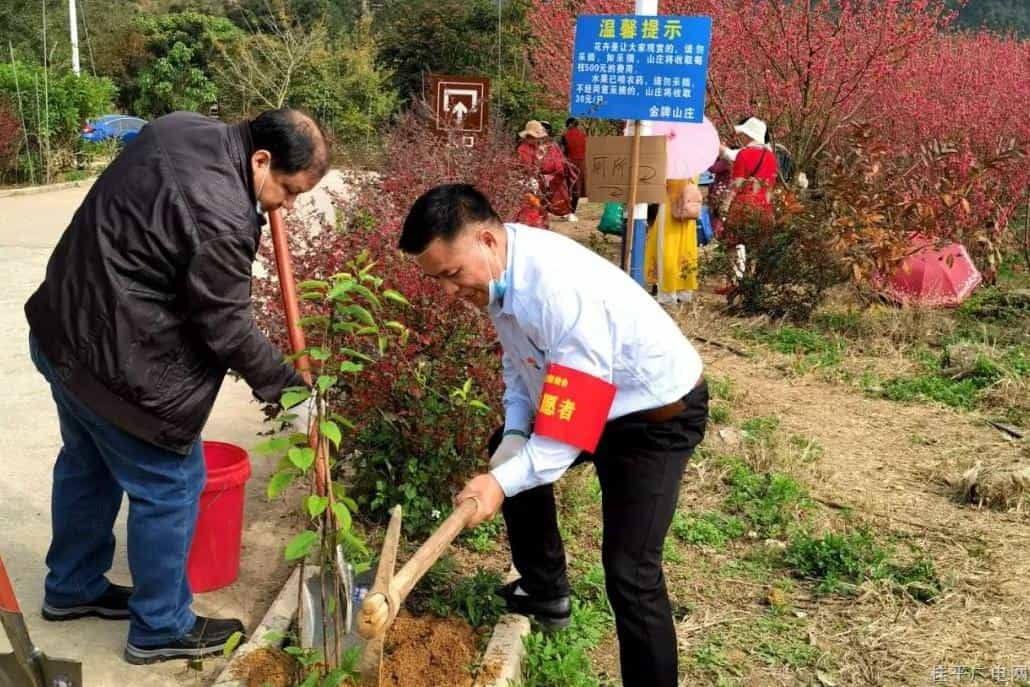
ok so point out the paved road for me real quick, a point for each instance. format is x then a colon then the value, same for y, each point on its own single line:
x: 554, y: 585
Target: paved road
x: 30, y: 226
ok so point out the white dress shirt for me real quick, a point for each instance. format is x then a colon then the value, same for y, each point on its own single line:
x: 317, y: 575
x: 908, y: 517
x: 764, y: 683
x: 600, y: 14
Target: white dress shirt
x: 565, y: 304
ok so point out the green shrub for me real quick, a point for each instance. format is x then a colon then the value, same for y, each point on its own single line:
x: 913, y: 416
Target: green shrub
x: 706, y: 529
x: 718, y: 413
x: 471, y: 598
x: 344, y: 88
x: 71, y: 100
x: 767, y: 502
x: 839, y: 563
x: 562, y: 659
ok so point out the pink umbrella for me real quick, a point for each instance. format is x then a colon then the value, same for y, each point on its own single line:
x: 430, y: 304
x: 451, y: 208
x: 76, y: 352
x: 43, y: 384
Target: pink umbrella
x: 933, y: 277
x: 689, y: 148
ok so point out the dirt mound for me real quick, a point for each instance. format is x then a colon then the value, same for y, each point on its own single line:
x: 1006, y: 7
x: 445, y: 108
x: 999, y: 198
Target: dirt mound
x: 267, y: 666
x: 428, y: 652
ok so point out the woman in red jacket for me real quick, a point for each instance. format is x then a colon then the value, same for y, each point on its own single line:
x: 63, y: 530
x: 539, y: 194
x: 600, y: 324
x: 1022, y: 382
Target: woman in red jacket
x: 752, y: 178
x: 553, y: 173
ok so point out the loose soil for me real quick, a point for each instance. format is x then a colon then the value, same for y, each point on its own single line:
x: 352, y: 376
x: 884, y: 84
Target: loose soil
x: 267, y: 666
x: 428, y: 652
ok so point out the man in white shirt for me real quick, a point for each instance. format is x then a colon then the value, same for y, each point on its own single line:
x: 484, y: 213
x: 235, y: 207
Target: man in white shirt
x: 594, y: 370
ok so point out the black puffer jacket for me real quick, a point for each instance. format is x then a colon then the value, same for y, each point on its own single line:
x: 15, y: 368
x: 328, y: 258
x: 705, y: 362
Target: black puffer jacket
x: 146, y: 302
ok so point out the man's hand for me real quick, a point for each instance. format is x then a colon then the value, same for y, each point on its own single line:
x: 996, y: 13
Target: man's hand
x: 488, y: 493
x: 509, y: 446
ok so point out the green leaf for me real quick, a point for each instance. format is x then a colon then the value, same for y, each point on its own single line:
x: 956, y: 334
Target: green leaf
x: 347, y: 327
x: 280, y: 481
x: 300, y: 546
x: 275, y: 445
x: 395, y: 296
x: 360, y: 314
x: 326, y: 381
x: 479, y: 405
x: 335, y: 677
x: 343, y: 517
x: 384, y: 342
x: 397, y: 327
x: 292, y: 398
x: 311, y: 680
x: 231, y: 644
x: 349, y: 502
x: 369, y: 296
x: 303, y: 458
x: 365, y: 331
x: 351, y: 353
x: 331, y: 431
x: 341, y: 420
x: 273, y: 637
x: 467, y: 387
x: 311, y: 321
x: 299, y: 439
x: 319, y: 354
x: 348, y: 366
x: 341, y: 288
x: 294, y: 651
x: 348, y: 539
x: 311, y: 296
x: 313, y: 284
x: 316, y: 505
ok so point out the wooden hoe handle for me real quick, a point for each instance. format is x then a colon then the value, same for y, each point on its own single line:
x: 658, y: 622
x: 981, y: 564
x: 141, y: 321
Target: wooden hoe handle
x: 380, y: 607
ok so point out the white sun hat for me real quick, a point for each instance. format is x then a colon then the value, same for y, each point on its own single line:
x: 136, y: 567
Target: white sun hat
x: 754, y: 128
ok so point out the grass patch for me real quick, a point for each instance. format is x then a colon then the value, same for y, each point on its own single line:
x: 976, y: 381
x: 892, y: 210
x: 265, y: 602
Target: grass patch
x: 562, y: 659
x: 443, y: 592
x: 814, y: 350
x: 484, y: 538
x: 707, y: 529
x: 768, y: 503
x: 808, y: 450
x: 719, y: 413
x: 839, y: 563
x: 760, y: 430
x: 779, y: 640
x: 720, y: 387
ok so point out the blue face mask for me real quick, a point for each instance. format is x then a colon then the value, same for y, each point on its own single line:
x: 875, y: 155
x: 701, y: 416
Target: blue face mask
x: 497, y: 287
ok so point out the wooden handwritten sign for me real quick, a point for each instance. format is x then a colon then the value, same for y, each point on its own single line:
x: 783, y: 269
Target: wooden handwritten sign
x: 608, y: 169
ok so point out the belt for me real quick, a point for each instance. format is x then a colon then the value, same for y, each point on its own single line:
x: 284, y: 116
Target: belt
x: 667, y: 412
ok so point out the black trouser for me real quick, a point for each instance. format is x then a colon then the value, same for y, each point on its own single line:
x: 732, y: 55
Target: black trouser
x: 640, y: 466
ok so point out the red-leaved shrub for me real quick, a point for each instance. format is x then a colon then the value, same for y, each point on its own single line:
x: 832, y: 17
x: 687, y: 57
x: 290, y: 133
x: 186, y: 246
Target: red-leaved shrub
x: 419, y: 433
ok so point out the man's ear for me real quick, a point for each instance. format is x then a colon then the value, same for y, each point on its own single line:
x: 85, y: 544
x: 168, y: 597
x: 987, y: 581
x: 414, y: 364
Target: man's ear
x: 260, y: 158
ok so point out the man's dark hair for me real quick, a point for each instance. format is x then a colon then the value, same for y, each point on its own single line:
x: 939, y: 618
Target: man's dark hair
x: 441, y: 213
x: 571, y: 121
x: 295, y: 140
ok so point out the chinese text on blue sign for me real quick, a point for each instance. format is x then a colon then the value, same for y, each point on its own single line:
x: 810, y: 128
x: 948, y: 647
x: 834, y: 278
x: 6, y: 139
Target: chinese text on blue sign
x: 639, y: 67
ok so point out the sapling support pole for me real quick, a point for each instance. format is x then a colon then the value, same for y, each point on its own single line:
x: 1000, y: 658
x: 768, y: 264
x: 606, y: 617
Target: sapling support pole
x: 339, y: 584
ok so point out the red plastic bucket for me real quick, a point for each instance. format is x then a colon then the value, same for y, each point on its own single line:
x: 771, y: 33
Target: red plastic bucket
x: 214, y: 560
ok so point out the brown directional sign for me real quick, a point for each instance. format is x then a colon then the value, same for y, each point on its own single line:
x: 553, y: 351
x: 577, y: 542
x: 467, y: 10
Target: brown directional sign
x: 461, y: 105
x: 608, y: 169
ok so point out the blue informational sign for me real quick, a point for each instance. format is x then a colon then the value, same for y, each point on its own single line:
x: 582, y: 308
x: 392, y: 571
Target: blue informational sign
x: 640, y: 67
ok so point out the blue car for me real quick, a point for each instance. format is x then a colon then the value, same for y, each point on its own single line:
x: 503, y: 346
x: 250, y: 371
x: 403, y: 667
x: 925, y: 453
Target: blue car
x: 122, y: 128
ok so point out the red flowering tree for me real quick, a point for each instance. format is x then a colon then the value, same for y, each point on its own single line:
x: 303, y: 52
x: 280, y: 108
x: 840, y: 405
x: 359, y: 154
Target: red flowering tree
x: 424, y: 411
x: 820, y: 70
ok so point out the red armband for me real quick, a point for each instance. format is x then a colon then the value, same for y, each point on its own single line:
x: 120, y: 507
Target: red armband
x: 574, y: 407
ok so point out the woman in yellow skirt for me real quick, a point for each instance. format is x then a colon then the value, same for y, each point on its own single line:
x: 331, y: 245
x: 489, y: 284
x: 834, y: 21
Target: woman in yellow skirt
x: 670, y: 255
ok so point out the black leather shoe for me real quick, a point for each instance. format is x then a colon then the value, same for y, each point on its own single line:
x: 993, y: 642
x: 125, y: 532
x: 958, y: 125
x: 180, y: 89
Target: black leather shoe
x: 113, y: 604
x: 552, y: 613
x: 208, y: 636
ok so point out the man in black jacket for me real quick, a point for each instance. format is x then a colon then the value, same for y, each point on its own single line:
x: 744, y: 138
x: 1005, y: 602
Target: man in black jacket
x: 145, y: 306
